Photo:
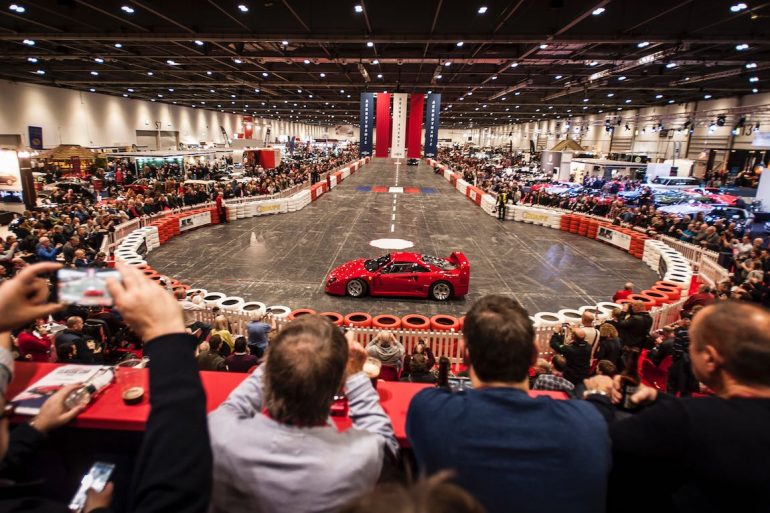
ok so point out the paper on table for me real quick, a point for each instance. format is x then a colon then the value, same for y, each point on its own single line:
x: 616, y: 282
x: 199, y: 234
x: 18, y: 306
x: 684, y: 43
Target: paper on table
x: 32, y: 398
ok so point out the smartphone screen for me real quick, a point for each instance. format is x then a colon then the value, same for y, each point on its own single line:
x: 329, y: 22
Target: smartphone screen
x: 96, y: 478
x: 87, y: 286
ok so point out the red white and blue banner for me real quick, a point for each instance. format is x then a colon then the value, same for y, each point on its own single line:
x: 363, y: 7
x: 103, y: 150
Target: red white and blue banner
x: 432, y: 111
x: 414, y: 124
x: 382, y: 128
x: 366, y: 134
x: 398, y: 141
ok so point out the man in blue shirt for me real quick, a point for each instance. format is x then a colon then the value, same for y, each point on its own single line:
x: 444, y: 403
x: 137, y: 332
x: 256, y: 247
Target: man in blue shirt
x: 257, y: 334
x: 47, y: 252
x: 511, y: 451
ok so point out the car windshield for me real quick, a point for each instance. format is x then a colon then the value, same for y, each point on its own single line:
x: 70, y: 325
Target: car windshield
x: 728, y: 213
x: 441, y: 263
x: 373, y: 265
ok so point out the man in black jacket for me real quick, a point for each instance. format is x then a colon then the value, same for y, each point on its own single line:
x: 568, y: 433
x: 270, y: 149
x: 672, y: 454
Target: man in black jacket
x: 74, y: 336
x: 577, y: 352
x: 634, y: 325
x: 174, y: 465
x: 707, y: 454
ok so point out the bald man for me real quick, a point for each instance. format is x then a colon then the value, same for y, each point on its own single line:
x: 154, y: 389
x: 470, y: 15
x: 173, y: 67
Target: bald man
x: 626, y: 291
x: 707, y: 454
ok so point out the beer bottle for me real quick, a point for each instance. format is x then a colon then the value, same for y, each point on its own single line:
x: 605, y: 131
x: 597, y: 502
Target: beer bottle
x: 443, y: 373
x: 630, y: 379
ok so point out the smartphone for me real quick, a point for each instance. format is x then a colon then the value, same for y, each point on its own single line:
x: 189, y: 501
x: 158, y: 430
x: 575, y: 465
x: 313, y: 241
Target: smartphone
x: 460, y: 384
x: 86, y: 286
x: 96, y: 478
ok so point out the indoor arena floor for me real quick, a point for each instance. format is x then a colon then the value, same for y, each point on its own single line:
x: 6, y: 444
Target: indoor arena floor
x: 284, y: 259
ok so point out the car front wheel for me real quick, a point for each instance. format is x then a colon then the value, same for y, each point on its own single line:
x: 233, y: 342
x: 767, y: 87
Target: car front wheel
x: 356, y: 288
x: 441, y: 291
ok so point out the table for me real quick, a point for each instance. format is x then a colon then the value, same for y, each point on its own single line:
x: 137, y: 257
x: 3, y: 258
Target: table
x: 109, y: 412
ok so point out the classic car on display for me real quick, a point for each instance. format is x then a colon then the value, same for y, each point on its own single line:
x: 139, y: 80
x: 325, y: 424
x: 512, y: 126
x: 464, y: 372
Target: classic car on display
x: 402, y: 274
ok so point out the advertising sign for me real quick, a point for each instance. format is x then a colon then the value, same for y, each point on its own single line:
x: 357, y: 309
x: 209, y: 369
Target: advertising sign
x: 432, y: 111
x: 10, y: 176
x: 383, y: 125
x: 194, y: 221
x: 366, y: 124
x: 536, y: 217
x: 613, y: 237
x: 414, y: 124
x: 35, y: 137
x: 398, y: 140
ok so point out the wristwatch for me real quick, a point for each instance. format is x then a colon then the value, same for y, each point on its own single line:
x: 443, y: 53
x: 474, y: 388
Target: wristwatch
x: 594, y: 391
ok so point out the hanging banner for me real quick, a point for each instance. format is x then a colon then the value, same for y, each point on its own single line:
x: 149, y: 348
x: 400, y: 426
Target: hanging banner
x: 432, y: 111
x: 367, y: 124
x: 414, y: 134
x: 398, y: 145
x: 35, y: 137
x: 383, y: 125
x: 248, y: 127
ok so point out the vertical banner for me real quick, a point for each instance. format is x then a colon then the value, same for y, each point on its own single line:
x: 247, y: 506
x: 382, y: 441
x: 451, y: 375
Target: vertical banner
x: 248, y: 127
x: 35, y: 137
x: 414, y: 134
x: 432, y: 111
x: 383, y: 125
x: 398, y: 146
x: 367, y: 124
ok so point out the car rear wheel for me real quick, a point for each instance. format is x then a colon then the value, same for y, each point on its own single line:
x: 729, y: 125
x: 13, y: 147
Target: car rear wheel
x: 441, y: 291
x: 356, y: 288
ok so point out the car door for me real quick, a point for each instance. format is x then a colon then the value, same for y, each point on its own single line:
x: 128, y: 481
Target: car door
x: 397, y: 279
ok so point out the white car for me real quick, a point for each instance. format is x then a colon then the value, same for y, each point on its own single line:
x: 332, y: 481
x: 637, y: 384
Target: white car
x: 674, y: 183
x: 686, y: 209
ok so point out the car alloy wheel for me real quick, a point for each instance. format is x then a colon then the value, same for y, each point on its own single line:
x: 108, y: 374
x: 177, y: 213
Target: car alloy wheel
x: 356, y: 288
x: 441, y: 291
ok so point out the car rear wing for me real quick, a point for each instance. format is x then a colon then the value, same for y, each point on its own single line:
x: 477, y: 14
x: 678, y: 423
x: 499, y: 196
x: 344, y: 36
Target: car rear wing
x: 458, y: 259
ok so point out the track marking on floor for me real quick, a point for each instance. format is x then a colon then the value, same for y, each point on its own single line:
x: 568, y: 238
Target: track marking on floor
x: 393, y: 228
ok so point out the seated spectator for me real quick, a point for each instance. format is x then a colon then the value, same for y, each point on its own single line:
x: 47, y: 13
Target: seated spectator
x: 221, y: 327
x: 74, y: 335
x: 34, y: 343
x: 209, y: 358
x: 424, y: 349
x: 508, y: 449
x: 240, y: 360
x: 258, y: 334
x: 547, y: 380
x: 288, y: 456
x: 609, y: 345
x: 45, y: 251
x: 173, y: 467
x: 386, y: 348
x: 623, y: 293
x: 189, y: 306
x: 570, y: 343
x: 708, y: 454
x: 432, y: 495
x: 418, y: 372
x: 703, y: 297
x: 606, y: 368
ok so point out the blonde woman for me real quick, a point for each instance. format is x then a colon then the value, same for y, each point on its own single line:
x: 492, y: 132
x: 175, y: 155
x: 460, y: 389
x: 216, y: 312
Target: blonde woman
x: 221, y: 327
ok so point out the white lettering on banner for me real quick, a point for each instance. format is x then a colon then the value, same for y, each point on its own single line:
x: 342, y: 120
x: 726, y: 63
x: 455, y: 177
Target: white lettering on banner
x: 398, y: 141
x: 536, y: 217
x: 613, y: 237
x: 194, y: 221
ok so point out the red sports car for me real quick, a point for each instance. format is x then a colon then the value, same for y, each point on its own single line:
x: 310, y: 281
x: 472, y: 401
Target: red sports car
x: 402, y: 274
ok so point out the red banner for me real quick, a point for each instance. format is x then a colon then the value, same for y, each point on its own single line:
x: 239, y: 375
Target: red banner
x: 414, y: 126
x: 248, y: 127
x: 382, y: 125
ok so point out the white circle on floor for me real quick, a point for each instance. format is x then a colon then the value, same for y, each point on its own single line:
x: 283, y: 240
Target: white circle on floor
x: 391, y: 243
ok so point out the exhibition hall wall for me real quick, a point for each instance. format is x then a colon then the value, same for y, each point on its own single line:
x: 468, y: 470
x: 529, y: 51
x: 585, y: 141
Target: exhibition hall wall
x: 91, y: 119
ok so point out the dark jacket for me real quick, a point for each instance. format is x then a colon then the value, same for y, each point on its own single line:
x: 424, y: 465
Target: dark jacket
x: 578, y: 355
x: 173, y: 468
x: 68, y: 337
x: 609, y: 349
x: 634, y: 328
x: 211, y: 361
x: 419, y: 377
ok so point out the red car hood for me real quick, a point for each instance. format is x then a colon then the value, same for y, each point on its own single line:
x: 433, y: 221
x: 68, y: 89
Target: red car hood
x: 349, y: 269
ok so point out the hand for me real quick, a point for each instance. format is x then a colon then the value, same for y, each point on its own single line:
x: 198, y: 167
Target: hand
x: 24, y: 298
x: 643, y: 394
x: 53, y: 414
x: 356, y: 355
x: 96, y: 500
x: 146, y: 307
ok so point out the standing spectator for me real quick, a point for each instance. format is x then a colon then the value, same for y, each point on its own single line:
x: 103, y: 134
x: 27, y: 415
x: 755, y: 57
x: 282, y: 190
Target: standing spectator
x: 280, y: 418
x: 241, y: 360
x: 573, y: 347
x: 708, y: 454
x: 608, y: 347
x: 221, y: 327
x: 257, y: 332
x: 386, y: 348
x: 424, y: 349
x: 189, y: 307
x: 508, y: 449
x: 634, y: 325
x: 623, y: 293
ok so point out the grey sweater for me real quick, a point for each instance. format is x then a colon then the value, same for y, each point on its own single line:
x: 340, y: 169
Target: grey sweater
x: 261, y: 465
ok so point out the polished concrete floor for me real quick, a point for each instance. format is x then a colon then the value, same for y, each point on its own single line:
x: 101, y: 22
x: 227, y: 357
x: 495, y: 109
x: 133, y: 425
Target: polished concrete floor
x: 283, y: 259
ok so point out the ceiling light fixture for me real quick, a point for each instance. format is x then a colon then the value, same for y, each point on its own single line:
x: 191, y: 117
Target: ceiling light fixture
x: 95, y: 73
x: 643, y: 44
x: 610, y: 95
x: 460, y: 43
x: 557, y: 77
x: 99, y: 60
x: 238, y: 61
x: 33, y: 60
x: 751, y: 65
x: 754, y: 79
x: 306, y: 61
x: 738, y: 7
x: 598, y: 11
x: 172, y: 62
x: 622, y: 78
x: 118, y: 45
x: 706, y: 96
x: 127, y: 9
x: 358, y: 8
x: 323, y: 75
x: 198, y: 42
x: 741, y: 47
x: 514, y: 64
x: 243, y: 8
x: 370, y: 44
x: 29, y: 42
x: 543, y: 46
x: 40, y: 72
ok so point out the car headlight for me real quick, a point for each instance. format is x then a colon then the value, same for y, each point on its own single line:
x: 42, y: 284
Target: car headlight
x: 331, y: 280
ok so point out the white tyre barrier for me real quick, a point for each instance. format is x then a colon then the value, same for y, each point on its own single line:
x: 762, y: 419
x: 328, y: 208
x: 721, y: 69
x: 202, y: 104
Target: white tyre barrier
x: 231, y: 303
x: 570, y: 315
x: 212, y: 298
x: 201, y: 292
x: 279, y: 311
x: 606, y: 307
x: 548, y: 319
x: 254, y: 309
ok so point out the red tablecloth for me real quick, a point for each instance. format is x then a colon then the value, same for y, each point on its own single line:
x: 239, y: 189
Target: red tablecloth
x: 109, y: 412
